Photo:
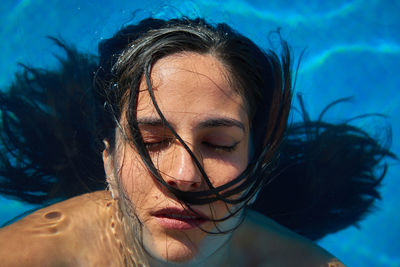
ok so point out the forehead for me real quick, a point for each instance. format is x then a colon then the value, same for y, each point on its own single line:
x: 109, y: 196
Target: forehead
x: 191, y: 83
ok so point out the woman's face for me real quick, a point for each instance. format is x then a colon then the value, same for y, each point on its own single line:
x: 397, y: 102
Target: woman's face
x: 193, y: 93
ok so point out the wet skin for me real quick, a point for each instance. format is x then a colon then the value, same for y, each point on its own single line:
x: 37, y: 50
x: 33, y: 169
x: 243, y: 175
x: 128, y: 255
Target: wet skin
x: 197, y: 99
x: 86, y: 231
x: 77, y: 232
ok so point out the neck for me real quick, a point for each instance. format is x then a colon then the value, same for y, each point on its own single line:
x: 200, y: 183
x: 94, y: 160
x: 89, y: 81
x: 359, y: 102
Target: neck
x: 127, y: 234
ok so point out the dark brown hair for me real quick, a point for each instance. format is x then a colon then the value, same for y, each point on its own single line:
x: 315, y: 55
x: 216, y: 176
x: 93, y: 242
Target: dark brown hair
x: 53, y: 122
x: 263, y: 79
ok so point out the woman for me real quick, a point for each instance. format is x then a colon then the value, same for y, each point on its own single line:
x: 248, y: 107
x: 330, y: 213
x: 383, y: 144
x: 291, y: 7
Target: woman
x: 194, y: 117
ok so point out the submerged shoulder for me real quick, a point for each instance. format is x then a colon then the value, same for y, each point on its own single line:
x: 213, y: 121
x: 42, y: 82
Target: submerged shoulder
x: 53, y: 235
x: 270, y: 244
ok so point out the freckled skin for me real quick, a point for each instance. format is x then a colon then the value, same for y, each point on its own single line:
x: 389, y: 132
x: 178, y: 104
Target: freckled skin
x: 86, y: 231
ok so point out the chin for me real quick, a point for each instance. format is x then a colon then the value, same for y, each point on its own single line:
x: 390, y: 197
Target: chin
x: 173, y: 247
x: 172, y: 251
x: 180, y: 255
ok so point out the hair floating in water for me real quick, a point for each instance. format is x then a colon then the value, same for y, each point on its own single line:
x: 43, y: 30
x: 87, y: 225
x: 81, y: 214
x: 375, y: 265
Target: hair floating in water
x: 325, y: 179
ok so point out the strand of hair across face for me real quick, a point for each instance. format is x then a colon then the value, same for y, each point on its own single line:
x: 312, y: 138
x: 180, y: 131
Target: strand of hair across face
x: 325, y: 179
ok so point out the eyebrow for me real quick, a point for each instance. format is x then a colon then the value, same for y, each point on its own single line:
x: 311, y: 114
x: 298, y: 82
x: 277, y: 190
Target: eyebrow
x: 208, y: 123
x: 221, y: 122
x: 148, y: 121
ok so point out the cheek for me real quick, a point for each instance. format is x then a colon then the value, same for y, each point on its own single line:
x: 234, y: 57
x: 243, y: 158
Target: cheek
x: 135, y: 180
x: 221, y: 172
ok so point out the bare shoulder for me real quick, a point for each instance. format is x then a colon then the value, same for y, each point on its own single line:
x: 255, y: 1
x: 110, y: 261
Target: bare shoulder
x: 49, y: 236
x: 269, y: 244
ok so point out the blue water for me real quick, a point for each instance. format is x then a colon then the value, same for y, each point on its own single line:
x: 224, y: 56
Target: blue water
x: 352, y: 49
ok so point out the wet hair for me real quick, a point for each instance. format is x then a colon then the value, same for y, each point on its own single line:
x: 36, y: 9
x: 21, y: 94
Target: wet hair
x: 53, y: 121
x: 328, y: 176
x: 48, y: 129
x: 263, y: 79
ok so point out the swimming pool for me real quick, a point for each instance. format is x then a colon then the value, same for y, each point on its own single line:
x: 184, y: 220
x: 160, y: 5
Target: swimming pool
x: 352, y: 49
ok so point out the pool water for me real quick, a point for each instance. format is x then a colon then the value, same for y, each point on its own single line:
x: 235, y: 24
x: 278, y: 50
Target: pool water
x: 352, y: 49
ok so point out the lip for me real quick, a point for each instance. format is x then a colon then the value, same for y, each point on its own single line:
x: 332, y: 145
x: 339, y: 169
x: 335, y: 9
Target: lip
x: 179, y: 219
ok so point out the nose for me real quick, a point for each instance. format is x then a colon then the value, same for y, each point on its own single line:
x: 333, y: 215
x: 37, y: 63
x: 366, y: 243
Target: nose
x: 181, y: 171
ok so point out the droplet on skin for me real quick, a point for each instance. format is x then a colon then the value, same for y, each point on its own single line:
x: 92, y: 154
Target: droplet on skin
x: 52, y: 215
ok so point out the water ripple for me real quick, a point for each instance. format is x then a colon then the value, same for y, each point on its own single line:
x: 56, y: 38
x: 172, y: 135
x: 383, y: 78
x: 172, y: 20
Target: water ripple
x: 316, y: 61
x: 290, y: 17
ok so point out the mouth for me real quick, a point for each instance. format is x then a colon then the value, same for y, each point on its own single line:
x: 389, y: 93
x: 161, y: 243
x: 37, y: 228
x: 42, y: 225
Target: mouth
x: 179, y: 219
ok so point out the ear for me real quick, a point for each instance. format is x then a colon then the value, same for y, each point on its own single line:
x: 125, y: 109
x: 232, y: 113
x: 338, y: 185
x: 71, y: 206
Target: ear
x: 109, y: 168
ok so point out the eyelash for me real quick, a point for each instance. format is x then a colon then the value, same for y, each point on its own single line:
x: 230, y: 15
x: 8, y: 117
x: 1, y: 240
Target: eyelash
x: 153, y: 146
x: 222, y: 148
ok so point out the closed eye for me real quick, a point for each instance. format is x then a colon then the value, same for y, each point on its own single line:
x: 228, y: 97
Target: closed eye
x: 224, y: 148
x: 153, y: 146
